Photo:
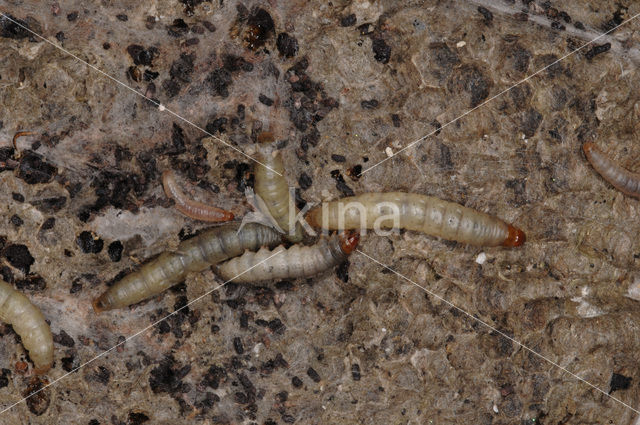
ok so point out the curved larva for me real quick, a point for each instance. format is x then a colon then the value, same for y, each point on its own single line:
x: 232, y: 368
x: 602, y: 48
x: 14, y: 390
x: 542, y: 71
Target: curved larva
x: 421, y: 213
x: 189, y: 207
x: 193, y: 255
x: 623, y: 180
x: 274, y: 190
x: 28, y: 322
x: 295, y: 262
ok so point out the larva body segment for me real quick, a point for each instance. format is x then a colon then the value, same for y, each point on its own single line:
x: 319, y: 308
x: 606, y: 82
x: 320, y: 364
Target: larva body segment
x: 189, y: 207
x: 28, y: 322
x: 296, y: 262
x: 193, y: 255
x: 274, y: 190
x: 421, y: 213
x: 623, y: 180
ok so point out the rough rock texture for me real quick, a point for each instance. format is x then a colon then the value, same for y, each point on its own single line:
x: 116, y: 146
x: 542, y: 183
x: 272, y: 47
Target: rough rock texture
x: 340, y: 84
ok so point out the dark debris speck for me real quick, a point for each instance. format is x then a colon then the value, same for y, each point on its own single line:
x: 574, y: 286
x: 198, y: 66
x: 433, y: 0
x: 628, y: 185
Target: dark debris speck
x: 115, y: 251
x: 348, y: 20
x: 88, y: 243
x: 287, y: 45
x: 19, y: 257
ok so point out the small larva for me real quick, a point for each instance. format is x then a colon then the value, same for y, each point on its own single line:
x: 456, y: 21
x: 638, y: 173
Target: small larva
x: 421, y: 213
x: 295, y: 262
x: 193, y: 255
x: 189, y: 207
x: 274, y: 190
x: 623, y: 180
x: 28, y: 322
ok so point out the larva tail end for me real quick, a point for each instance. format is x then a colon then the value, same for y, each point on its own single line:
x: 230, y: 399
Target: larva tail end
x: 515, y: 238
x: 99, y: 305
x: 313, y: 217
x: 349, y: 241
x: 227, y: 215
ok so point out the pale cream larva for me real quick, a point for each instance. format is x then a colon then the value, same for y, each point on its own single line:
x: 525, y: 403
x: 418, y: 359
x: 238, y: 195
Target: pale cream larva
x: 193, y: 255
x: 623, y: 180
x: 421, y: 213
x: 28, y: 322
x: 274, y: 190
x: 295, y: 262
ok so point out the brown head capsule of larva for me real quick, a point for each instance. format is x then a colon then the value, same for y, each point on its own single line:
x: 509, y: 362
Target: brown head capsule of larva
x: 515, y: 237
x: 349, y: 241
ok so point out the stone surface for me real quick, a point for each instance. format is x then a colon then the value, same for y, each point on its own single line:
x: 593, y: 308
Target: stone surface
x: 348, y: 80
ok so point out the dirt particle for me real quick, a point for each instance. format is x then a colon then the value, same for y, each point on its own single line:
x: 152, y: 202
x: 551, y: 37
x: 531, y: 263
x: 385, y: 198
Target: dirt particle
x: 296, y: 382
x: 32, y: 282
x: 178, y: 28
x: 71, y: 17
x: 18, y: 197
x: 63, y: 339
x: 122, y: 17
x: 38, y: 396
x: 311, y: 372
x: 4, y: 378
x: 33, y: 169
x: 342, y: 271
x: 265, y: 100
x: 137, y: 418
x: 619, y: 382
x: 16, y: 220
x: 89, y: 243
x: 304, y: 181
x: 369, y: 104
x: 287, y: 45
x: 167, y: 377
x: 238, y: 346
x: 487, y: 16
x: 115, y: 251
x: 19, y: 257
x: 355, y: 371
x: 182, y: 68
x: 381, y: 50
x: 260, y: 28
x: 142, y: 56
x: 530, y: 122
x: 596, y: 50
x: 348, y: 20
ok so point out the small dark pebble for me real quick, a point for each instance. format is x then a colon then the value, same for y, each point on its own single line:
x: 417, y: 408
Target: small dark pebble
x: 355, y: 371
x: 237, y: 345
x: 115, y: 251
x: 284, y: 285
x: 282, y: 396
x: 366, y: 29
x: 296, y: 382
x: 19, y: 257
x: 304, y: 181
x: 71, y: 17
x: 142, y: 56
x: 16, y: 220
x: 38, y: 402
x: 4, y: 378
x: 192, y: 41
x: 60, y: 36
x: 89, y: 244
x: 596, y: 50
x: 244, y: 320
x: 486, y: 14
x: 150, y: 75
x: 18, y: 197
x: 182, y: 68
x: 33, y: 169
x: 68, y: 365
x: 260, y: 27
x: 32, y: 282
x: 48, y: 224
x: 106, y: 45
x: 381, y: 50
x: 265, y: 100
x: 122, y: 17
x: 565, y: 16
x: 348, y: 20
x: 395, y: 119
x: 355, y: 172
x: 276, y: 326
x: 76, y: 287
x: 313, y: 374
x: 344, y: 189
x: 287, y: 45
x: 94, y: 422
x: 288, y: 419
x: 208, y: 25
x: 63, y: 339
x: 619, y: 382
x: 579, y: 25
x: 178, y: 28
x: 137, y: 418
x: 342, y: 271
x: 557, y: 26
x: 53, y: 204
x: 369, y: 104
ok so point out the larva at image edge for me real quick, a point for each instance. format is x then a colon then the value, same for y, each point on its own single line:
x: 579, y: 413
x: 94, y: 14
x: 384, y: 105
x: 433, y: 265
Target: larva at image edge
x: 193, y: 255
x: 296, y: 262
x: 28, y: 322
x: 421, y: 213
x: 623, y: 180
